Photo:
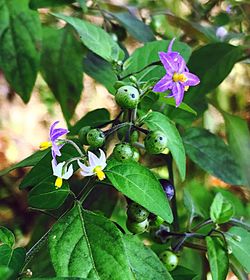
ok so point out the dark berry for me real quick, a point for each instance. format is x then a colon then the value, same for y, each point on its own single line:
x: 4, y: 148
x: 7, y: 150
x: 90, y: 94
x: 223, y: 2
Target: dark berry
x: 168, y: 188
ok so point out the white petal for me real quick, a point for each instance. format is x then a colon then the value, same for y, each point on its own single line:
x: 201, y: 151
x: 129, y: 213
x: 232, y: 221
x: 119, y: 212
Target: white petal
x: 57, y: 169
x: 102, y: 159
x: 85, y: 174
x: 85, y: 168
x: 93, y: 159
x: 68, y: 173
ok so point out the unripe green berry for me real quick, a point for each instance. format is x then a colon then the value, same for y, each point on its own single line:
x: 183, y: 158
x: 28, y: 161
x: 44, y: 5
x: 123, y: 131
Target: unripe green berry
x: 133, y: 79
x: 155, y: 142
x: 135, y: 227
x: 83, y: 135
x: 123, y: 152
x: 127, y: 97
x: 169, y: 259
x: 136, y: 154
x: 96, y: 138
x: 137, y: 213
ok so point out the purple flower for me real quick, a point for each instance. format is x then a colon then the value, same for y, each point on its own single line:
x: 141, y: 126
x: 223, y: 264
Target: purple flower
x: 229, y: 9
x: 178, y: 78
x: 54, y: 135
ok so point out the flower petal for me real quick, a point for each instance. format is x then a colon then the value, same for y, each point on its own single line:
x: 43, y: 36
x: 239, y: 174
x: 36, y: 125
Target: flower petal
x: 171, y: 45
x: 57, y: 168
x: 85, y: 168
x: 102, y: 159
x: 52, y: 127
x: 192, y: 80
x: 58, y: 133
x: 178, y: 93
x: 167, y: 62
x: 164, y: 84
x: 68, y: 173
x: 93, y: 160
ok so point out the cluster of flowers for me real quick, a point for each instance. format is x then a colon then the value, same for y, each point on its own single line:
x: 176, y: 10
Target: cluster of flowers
x: 178, y: 79
x: 64, y: 170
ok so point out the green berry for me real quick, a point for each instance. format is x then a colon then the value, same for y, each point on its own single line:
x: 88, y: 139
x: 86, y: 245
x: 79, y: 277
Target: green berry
x: 95, y: 137
x: 127, y: 97
x: 135, y: 227
x: 169, y: 259
x: 137, y: 213
x: 83, y: 135
x: 136, y: 154
x: 123, y: 152
x: 155, y: 142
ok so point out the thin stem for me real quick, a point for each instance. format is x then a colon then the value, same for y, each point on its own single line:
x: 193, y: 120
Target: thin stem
x: 87, y: 189
x: 195, y: 246
x: 145, y: 131
x: 116, y: 127
x: 75, y: 146
x: 71, y: 160
x: 43, y: 212
x: 203, y: 224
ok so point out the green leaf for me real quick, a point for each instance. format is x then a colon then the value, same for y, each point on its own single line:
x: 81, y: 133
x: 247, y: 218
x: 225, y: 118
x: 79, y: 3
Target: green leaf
x: 217, y: 257
x: 90, y: 247
x: 182, y: 272
x: 46, y: 196
x: 5, y: 272
x: 57, y: 278
x: 62, y: 51
x: 100, y: 70
x: 36, y: 4
x: 211, y: 154
x: 95, y: 38
x: 239, y: 242
x: 193, y: 208
x: 139, y: 184
x: 158, y: 121
x: 43, y: 168
x: 239, y: 142
x: 148, y: 54
x: 20, y: 40
x: 29, y: 161
x: 94, y: 118
x: 143, y: 261
x: 12, y: 258
x: 7, y: 237
x: 221, y: 210
x: 137, y: 28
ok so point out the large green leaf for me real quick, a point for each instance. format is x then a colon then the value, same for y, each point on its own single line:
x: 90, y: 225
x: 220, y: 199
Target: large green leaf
x: 90, y: 246
x: 95, y: 38
x: 217, y: 257
x: 182, y: 272
x: 143, y: 261
x: 94, y: 118
x: 137, y: 28
x: 5, y: 272
x: 221, y: 210
x: 12, y: 258
x: 210, y: 153
x: 43, y: 169
x: 29, y: 161
x: 61, y: 67
x: 158, y: 121
x: 148, y: 54
x: 139, y: 184
x: 20, y: 40
x: 46, y: 196
x: 7, y: 237
x: 239, y: 242
x: 100, y: 70
x: 36, y: 4
x: 239, y: 142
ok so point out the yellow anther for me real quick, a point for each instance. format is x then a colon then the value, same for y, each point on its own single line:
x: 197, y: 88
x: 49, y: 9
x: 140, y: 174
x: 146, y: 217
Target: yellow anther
x: 45, y: 145
x: 186, y: 88
x: 179, y: 77
x: 58, y: 182
x: 99, y: 173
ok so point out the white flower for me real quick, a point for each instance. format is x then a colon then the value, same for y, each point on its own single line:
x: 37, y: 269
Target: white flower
x: 96, y: 165
x: 61, y: 173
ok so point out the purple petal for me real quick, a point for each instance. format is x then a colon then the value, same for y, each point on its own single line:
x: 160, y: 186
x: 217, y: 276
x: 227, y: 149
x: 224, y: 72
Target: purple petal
x: 55, y: 133
x: 52, y: 127
x: 164, y: 84
x: 178, y: 93
x: 171, y: 45
x: 192, y: 80
x: 181, y: 64
x: 167, y: 62
x: 55, y: 150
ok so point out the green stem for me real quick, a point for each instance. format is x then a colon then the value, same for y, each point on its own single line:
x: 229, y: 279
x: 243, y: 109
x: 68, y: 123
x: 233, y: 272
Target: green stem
x: 75, y: 146
x: 87, y: 189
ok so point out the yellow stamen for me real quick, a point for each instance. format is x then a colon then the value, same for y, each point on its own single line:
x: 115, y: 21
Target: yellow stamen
x: 179, y: 77
x: 99, y: 173
x: 186, y: 88
x: 45, y: 145
x: 58, y: 182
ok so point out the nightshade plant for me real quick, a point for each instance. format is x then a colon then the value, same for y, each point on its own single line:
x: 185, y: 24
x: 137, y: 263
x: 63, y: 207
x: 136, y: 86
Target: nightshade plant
x: 112, y: 195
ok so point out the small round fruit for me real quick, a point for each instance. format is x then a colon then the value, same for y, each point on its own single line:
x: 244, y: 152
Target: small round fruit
x: 155, y: 142
x: 83, y: 135
x: 96, y: 138
x: 135, y: 227
x: 168, y: 188
x: 136, y: 154
x: 169, y: 259
x: 137, y: 213
x: 127, y: 97
x: 123, y: 152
